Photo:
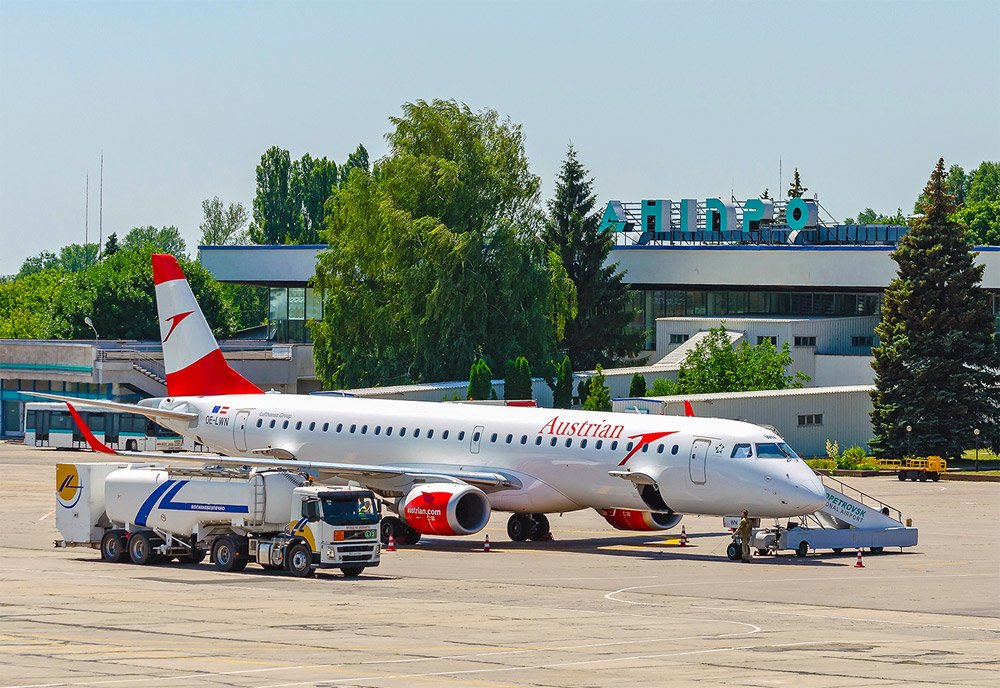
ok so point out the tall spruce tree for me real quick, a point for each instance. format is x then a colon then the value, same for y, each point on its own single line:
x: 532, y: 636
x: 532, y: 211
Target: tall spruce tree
x: 936, y: 367
x: 480, y: 381
x: 795, y: 189
x: 600, y: 331
x: 598, y: 394
x: 517, y: 381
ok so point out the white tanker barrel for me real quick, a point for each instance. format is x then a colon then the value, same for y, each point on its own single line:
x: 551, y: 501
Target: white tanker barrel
x: 178, y: 503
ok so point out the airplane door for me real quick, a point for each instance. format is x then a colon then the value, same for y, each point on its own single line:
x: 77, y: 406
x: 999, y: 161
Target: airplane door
x: 239, y: 430
x: 699, y: 452
x: 477, y: 437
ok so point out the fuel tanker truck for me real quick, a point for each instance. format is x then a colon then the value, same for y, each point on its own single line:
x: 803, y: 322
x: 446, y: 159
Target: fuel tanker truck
x: 276, y: 518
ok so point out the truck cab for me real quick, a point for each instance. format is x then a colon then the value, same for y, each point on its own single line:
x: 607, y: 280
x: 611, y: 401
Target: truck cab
x: 340, y: 525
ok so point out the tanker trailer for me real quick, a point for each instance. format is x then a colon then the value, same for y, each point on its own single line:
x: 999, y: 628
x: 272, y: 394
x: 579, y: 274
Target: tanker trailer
x: 276, y: 518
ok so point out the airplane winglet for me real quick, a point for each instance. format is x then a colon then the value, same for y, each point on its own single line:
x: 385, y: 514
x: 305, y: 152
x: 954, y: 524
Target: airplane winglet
x: 94, y: 443
x: 688, y: 410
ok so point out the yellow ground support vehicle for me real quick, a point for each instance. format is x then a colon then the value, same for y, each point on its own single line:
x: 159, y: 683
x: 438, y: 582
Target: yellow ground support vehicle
x: 916, y: 469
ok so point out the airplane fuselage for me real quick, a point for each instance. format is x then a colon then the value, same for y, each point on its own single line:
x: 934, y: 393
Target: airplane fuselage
x: 560, y: 459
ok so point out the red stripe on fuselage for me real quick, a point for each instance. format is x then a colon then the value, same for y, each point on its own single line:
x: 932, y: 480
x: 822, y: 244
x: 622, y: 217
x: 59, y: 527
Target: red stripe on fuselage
x: 209, y: 375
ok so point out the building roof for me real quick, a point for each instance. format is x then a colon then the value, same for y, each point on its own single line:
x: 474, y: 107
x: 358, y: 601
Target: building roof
x: 765, y: 393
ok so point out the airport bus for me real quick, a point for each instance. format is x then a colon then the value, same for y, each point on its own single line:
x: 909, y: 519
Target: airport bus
x: 48, y: 424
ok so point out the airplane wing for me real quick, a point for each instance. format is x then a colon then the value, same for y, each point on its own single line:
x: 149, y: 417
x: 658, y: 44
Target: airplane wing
x: 381, y: 477
x: 151, y: 413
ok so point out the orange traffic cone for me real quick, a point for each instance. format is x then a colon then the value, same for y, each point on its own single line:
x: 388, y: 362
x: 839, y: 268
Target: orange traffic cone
x: 486, y: 544
x: 391, y: 547
x: 684, y: 537
x: 859, y: 564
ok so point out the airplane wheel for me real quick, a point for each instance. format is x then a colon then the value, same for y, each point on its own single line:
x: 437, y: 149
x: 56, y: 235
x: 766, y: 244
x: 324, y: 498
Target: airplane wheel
x: 733, y: 551
x: 410, y: 536
x: 539, y: 526
x: 838, y: 550
x: 803, y: 549
x: 391, y: 525
x: 519, y: 527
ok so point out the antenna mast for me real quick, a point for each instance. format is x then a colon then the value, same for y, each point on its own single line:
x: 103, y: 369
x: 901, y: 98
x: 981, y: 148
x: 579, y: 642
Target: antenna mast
x: 86, y: 219
x: 100, y: 216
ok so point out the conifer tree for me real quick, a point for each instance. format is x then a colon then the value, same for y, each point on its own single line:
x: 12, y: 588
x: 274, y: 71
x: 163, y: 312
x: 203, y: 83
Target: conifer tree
x: 936, y: 367
x: 517, y: 382
x: 600, y: 330
x: 796, y: 190
x: 598, y: 394
x: 480, y: 381
x: 561, y: 383
x: 638, y: 386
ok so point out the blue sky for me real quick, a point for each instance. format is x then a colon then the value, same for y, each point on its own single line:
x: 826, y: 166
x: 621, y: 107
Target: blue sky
x: 661, y: 99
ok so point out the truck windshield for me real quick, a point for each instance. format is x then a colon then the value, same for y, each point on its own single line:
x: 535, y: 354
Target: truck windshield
x: 349, y: 510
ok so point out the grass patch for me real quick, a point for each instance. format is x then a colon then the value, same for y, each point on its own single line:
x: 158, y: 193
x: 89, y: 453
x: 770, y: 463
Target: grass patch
x: 984, y: 455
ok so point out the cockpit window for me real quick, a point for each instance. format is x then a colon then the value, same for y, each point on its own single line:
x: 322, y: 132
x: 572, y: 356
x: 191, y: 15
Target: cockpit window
x: 775, y: 450
x: 742, y: 451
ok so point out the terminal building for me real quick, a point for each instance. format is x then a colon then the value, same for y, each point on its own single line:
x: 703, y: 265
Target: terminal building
x: 764, y: 269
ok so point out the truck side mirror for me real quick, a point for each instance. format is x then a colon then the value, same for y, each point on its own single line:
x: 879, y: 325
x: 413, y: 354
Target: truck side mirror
x: 310, y: 510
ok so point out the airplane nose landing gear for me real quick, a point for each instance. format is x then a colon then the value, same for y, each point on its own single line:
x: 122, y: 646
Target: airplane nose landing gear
x: 521, y: 527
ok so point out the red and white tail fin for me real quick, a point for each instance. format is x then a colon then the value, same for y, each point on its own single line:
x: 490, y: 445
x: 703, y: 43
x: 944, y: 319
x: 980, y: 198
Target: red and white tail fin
x: 688, y: 410
x: 195, y: 365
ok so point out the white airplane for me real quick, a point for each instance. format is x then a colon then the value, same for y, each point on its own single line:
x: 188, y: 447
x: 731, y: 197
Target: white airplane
x: 443, y: 468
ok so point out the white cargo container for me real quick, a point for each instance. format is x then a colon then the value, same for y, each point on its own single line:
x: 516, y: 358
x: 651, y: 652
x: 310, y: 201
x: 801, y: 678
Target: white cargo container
x: 276, y: 518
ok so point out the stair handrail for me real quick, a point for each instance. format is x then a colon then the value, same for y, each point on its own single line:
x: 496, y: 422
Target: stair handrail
x: 861, y: 496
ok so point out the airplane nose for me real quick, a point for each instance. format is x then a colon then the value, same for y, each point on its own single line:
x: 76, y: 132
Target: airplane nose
x: 810, y: 489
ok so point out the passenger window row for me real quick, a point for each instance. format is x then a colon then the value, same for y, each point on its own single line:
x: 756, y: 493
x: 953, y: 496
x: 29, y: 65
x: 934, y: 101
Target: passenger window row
x: 476, y: 436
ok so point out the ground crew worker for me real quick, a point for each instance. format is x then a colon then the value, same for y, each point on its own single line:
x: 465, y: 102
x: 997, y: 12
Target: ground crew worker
x: 743, y: 531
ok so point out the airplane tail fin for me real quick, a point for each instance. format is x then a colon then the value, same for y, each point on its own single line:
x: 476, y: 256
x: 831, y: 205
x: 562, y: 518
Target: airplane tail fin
x: 195, y: 366
x: 688, y: 409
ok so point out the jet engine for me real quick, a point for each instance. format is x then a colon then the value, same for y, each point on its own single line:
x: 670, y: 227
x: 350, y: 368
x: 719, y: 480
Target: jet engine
x: 630, y: 519
x: 445, y: 509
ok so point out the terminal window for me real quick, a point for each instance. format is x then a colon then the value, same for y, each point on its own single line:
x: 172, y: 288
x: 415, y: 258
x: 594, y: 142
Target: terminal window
x: 805, y: 341
x: 678, y: 338
x: 810, y: 419
x: 862, y: 341
x: 768, y: 338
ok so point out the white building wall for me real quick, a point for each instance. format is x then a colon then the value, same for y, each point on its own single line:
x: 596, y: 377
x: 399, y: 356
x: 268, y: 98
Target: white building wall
x: 843, y: 370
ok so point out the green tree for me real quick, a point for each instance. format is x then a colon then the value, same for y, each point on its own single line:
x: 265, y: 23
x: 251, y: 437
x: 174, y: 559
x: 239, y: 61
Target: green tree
x: 637, y: 388
x: 358, y: 160
x: 439, y: 247
x: 110, y: 246
x: 480, y: 381
x: 46, y: 260
x: 163, y: 239
x: 663, y: 387
x: 715, y: 365
x: 598, y: 394
x: 223, y: 226
x: 274, y: 209
x: 26, y: 303
x: 312, y: 183
x: 795, y: 189
x: 248, y: 303
x: 601, y: 330
x: 517, y: 381
x: 936, y: 368
x: 118, y: 295
x: 870, y: 217
x: 985, y: 183
x: 981, y: 220
x: 561, y: 383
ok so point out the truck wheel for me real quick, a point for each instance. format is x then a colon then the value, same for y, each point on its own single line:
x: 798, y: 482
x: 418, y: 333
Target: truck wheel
x: 902, y: 476
x: 838, y: 550
x: 224, y: 555
x: 352, y: 571
x: 803, y: 549
x: 935, y: 476
x: 923, y: 476
x: 299, y: 561
x: 140, y: 549
x: 733, y: 551
x: 113, y: 548
x: 761, y: 552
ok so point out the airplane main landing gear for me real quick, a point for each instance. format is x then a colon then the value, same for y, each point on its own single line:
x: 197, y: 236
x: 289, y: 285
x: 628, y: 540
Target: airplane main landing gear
x: 401, y: 533
x: 523, y: 527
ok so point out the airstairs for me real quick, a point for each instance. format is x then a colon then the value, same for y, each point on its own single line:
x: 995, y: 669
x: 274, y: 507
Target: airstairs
x: 851, y: 519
